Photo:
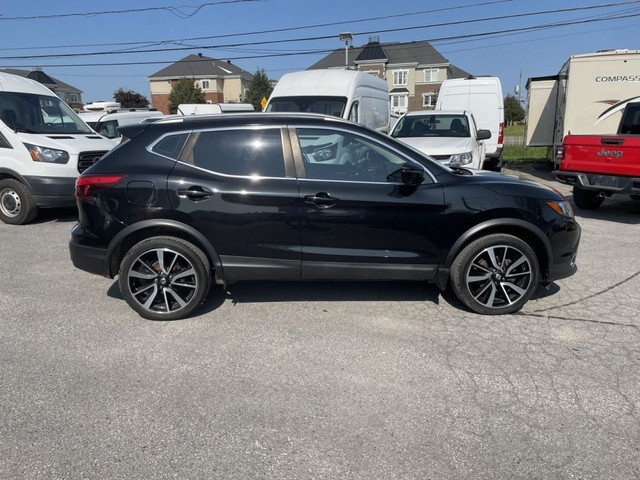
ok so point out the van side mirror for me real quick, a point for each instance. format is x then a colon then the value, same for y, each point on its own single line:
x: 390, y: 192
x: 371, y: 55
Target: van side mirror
x: 483, y: 134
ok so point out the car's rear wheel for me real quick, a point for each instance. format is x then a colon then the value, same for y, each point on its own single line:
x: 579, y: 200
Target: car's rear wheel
x: 164, y: 278
x: 587, y: 199
x: 17, y: 206
x: 496, y: 274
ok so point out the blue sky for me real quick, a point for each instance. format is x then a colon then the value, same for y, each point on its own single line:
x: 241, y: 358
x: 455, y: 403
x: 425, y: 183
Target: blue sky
x: 73, y: 27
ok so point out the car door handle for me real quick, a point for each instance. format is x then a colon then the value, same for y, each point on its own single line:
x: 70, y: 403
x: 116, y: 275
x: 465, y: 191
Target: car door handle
x: 321, y: 200
x: 195, y: 193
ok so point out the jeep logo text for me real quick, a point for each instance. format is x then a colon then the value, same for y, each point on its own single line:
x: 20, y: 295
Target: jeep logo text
x: 610, y: 153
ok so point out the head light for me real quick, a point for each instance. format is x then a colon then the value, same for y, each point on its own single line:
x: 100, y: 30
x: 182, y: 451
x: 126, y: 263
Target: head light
x: 46, y: 154
x: 561, y: 208
x: 462, y: 158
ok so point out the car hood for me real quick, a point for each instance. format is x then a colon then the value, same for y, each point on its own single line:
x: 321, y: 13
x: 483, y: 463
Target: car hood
x: 511, y: 185
x: 438, y: 145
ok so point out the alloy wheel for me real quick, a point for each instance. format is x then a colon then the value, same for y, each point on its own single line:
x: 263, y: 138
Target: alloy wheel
x: 499, y: 276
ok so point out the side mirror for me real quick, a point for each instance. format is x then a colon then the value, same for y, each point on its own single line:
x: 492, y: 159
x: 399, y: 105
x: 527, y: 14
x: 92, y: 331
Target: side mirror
x: 483, y: 134
x: 411, y: 174
x: 408, y: 174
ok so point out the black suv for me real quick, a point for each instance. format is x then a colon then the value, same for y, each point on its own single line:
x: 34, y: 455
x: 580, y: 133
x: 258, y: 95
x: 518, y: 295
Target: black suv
x: 182, y: 202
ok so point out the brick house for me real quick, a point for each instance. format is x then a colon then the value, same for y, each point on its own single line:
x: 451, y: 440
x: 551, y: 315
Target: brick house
x: 220, y: 81
x: 69, y: 94
x: 414, y: 70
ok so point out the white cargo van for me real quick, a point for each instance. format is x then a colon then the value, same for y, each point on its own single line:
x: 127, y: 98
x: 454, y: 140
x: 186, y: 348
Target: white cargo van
x: 213, y: 108
x: 483, y: 97
x: 44, y: 146
x: 108, y: 124
x: 357, y: 96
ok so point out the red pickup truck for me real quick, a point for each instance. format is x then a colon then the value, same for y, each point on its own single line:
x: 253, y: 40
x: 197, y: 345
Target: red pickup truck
x: 600, y: 166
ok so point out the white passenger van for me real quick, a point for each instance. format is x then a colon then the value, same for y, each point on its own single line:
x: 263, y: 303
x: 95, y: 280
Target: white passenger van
x: 482, y: 96
x: 44, y: 146
x: 357, y: 96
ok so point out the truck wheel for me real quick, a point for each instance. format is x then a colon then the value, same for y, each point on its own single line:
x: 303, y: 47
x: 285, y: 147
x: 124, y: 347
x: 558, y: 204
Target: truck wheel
x: 587, y: 199
x: 164, y: 278
x: 17, y: 206
x: 496, y: 274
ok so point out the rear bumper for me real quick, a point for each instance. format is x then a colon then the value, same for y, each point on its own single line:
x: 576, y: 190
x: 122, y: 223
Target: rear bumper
x: 86, y: 255
x: 599, y: 182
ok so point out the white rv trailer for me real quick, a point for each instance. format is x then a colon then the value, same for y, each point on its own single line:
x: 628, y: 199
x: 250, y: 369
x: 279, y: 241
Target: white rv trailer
x: 587, y: 96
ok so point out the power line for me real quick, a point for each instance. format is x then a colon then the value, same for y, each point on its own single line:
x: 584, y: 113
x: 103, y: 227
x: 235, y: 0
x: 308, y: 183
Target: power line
x: 431, y: 40
x: 262, y: 32
x: 325, y: 37
x: 174, y: 10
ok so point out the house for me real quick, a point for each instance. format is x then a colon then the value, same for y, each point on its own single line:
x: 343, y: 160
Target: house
x: 69, y: 94
x: 413, y: 70
x: 221, y: 81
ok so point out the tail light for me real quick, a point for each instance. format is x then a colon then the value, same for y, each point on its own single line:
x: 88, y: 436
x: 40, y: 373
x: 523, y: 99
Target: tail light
x: 88, y: 185
x: 560, y: 154
x: 501, y: 134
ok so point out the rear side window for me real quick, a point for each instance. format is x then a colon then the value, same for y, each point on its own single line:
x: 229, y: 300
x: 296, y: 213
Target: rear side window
x: 170, y: 146
x: 241, y: 152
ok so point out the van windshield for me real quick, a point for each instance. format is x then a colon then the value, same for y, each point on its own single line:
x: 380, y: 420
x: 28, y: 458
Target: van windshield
x: 326, y: 105
x: 30, y: 113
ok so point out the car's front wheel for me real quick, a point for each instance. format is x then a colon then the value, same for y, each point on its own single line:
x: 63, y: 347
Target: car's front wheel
x: 496, y: 274
x: 164, y: 278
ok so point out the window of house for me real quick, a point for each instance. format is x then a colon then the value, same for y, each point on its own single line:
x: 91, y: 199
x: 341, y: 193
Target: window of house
x: 241, y: 152
x: 400, y: 77
x: 430, y: 74
x: 74, y: 97
x: 205, y: 84
x: 399, y: 102
x: 429, y: 99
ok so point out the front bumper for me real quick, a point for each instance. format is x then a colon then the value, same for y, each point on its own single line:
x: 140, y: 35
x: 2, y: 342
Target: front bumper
x: 599, y: 182
x: 51, y: 192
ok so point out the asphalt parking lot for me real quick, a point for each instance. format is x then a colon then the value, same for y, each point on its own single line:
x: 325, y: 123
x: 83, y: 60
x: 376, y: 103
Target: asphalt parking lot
x: 321, y: 380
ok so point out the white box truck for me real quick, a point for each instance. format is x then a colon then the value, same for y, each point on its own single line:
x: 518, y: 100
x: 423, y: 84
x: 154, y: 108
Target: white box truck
x: 44, y: 146
x: 587, y: 96
x: 482, y: 96
x: 357, y: 96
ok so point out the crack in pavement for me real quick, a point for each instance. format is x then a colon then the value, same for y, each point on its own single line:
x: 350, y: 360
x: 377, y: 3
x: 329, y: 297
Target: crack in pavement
x: 601, y: 292
x: 572, y: 319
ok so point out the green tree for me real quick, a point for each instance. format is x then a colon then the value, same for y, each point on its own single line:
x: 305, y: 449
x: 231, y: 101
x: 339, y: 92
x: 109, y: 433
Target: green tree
x: 259, y: 88
x: 130, y: 99
x: 185, y: 90
x: 513, y: 111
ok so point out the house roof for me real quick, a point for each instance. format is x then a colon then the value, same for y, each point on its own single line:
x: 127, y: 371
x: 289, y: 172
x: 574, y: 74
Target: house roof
x: 199, y: 66
x: 47, y: 80
x: 372, y: 51
x: 420, y: 53
x: 455, y: 72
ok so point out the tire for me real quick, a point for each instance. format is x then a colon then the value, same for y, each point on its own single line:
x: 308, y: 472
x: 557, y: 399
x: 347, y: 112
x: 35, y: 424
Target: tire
x: 587, y: 199
x: 495, y: 275
x: 164, y: 278
x: 17, y: 205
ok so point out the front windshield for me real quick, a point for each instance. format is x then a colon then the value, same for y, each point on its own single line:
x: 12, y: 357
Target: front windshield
x: 431, y: 126
x: 326, y: 105
x: 30, y: 113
